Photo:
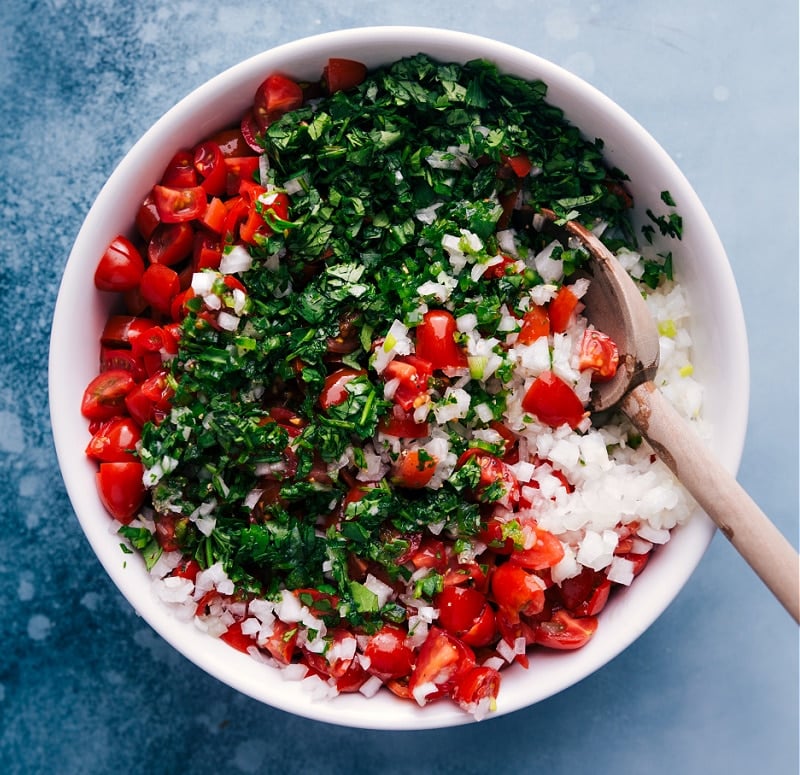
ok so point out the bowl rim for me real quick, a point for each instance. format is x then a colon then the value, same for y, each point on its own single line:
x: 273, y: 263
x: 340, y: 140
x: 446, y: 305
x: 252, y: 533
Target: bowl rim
x: 229, y: 666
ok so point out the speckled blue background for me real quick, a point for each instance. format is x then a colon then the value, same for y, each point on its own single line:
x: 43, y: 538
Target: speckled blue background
x: 87, y: 687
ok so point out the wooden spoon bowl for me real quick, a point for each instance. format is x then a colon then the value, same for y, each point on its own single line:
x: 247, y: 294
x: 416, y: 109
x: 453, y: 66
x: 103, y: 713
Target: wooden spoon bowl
x: 614, y: 304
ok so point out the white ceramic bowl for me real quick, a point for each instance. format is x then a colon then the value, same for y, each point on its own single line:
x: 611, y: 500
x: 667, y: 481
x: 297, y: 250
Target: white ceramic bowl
x: 701, y: 264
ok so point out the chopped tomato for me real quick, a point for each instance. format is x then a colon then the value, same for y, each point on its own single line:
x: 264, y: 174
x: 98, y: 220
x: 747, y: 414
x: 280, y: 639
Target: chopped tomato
x: 210, y: 164
x: 147, y: 217
x: 413, y: 375
x: 564, y: 631
x: 493, y: 471
x: 546, y: 552
x: 517, y: 591
x: 115, y: 441
x: 215, y: 215
x: 234, y: 636
x: 430, y: 554
x: 441, y: 660
x: 553, y: 401
x: 276, y: 95
x: 388, y: 653
x: 599, y: 353
x: 585, y: 594
x: 520, y: 164
x: 401, y: 423
x: 535, y: 324
x: 176, y: 205
x: 413, y: 468
x: 465, y: 612
x: 207, y: 252
x: 436, y: 342
x: 282, y: 644
x: 561, y: 309
x: 121, y: 489
x: 334, y: 391
x: 180, y: 172
x: 120, y: 267
x: 104, y: 396
x: 342, y: 74
x: 159, y: 285
x: 170, y: 243
x: 121, y: 330
x: 476, y: 685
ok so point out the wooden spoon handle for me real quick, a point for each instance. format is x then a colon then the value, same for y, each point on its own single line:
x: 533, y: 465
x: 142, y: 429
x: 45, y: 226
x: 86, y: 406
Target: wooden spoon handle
x: 756, y: 539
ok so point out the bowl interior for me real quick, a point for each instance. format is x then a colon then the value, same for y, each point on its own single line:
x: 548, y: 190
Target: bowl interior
x: 701, y: 266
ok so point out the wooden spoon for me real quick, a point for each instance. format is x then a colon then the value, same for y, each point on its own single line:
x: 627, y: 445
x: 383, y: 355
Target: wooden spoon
x: 615, y: 306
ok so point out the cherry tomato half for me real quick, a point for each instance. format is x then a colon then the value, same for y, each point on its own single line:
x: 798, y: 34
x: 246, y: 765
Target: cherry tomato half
x: 104, y: 396
x: 120, y: 267
x: 334, y: 391
x: 276, y: 95
x: 121, y: 489
x: 342, y: 74
x: 565, y: 632
x: 115, y: 441
x: 176, y: 205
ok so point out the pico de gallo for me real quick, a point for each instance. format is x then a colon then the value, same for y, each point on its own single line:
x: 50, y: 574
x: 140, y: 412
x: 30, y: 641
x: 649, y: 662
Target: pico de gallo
x: 342, y: 325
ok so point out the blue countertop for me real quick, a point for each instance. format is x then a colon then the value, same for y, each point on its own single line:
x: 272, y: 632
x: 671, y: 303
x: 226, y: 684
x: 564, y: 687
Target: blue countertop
x: 87, y: 687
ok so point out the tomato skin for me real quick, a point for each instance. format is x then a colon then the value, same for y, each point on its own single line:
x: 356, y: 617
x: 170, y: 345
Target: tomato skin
x: 599, y: 353
x: 120, y: 267
x: 276, y: 95
x: 115, y: 441
x: 159, y: 285
x: 176, y: 205
x: 565, y: 632
x: 180, y: 172
x: 553, y: 401
x: 389, y: 655
x: 436, y: 343
x: 334, y: 391
x: 342, y: 74
x: 104, y: 396
x: 121, y: 489
x: 561, y: 309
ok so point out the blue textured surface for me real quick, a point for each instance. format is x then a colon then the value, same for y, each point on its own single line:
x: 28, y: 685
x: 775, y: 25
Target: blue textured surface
x: 87, y: 687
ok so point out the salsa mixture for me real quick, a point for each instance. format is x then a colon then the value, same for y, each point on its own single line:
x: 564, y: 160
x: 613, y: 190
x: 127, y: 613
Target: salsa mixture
x: 340, y: 409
